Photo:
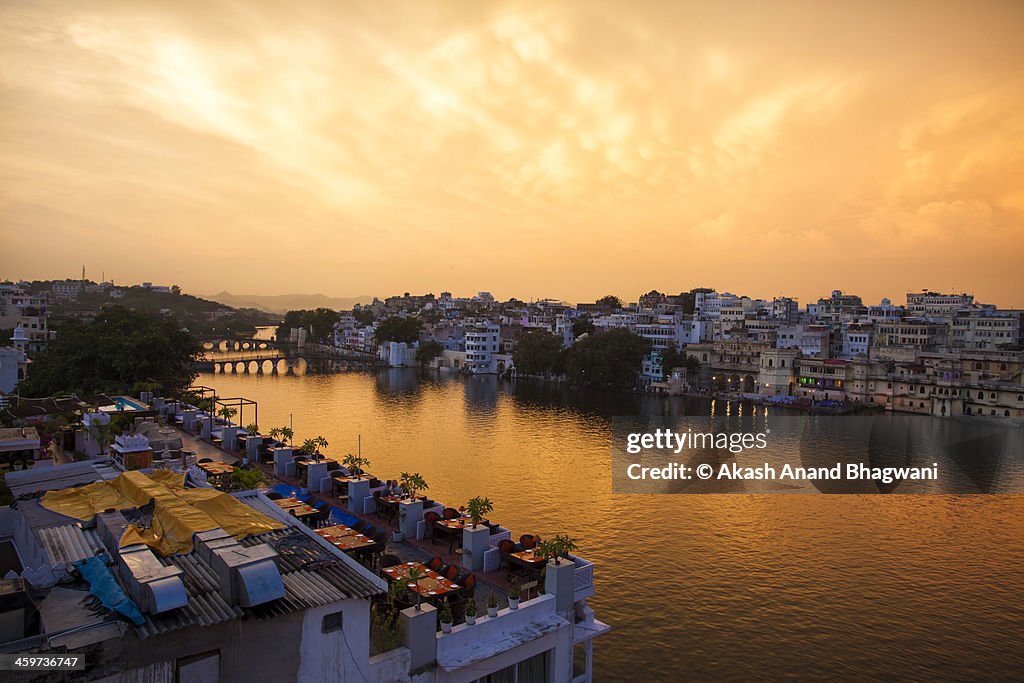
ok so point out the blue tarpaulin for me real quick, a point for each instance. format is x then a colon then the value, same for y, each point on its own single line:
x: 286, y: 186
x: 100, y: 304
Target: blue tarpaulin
x: 104, y: 586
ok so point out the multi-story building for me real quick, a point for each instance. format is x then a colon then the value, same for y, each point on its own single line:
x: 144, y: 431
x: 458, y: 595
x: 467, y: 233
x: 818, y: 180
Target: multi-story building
x: 932, y: 305
x: 978, y: 327
x: 911, y: 334
x: 813, y: 341
x: 777, y: 373
x: 856, y: 339
x: 731, y: 364
x: 66, y: 290
x: 483, y: 344
x: 29, y: 311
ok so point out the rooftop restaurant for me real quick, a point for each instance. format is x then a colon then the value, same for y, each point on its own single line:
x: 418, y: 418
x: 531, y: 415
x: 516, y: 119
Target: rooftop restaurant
x: 191, y: 548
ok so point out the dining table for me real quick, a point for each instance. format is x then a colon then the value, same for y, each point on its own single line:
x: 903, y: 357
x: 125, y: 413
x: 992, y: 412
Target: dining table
x: 297, y: 508
x: 345, y: 538
x: 430, y: 585
x: 530, y: 560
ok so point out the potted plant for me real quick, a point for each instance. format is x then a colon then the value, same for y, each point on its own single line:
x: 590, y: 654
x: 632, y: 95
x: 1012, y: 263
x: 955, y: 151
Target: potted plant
x: 282, y: 434
x: 478, y: 508
x: 445, y: 615
x: 253, y: 429
x: 415, y: 574
x: 471, y: 611
x: 355, y: 464
x: 412, y: 484
x: 513, y: 593
x: 562, y: 546
x: 227, y: 412
x: 492, y: 605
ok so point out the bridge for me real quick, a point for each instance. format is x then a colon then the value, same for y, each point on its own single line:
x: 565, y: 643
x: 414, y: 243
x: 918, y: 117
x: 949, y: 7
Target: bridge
x: 237, y: 344
x: 286, y: 358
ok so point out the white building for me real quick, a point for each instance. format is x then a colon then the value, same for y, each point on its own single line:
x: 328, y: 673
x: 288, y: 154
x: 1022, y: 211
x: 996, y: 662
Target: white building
x: 483, y: 344
x: 13, y: 364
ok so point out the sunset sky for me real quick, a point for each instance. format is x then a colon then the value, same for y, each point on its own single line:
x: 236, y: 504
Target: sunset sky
x: 530, y: 149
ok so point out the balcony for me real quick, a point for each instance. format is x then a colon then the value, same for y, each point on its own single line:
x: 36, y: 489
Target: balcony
x: 584, y: 579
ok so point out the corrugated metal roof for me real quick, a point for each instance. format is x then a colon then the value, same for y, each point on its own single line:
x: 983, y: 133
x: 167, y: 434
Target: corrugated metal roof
x: 69, y: 543
x: 39, y: 479
x: 313, y: 573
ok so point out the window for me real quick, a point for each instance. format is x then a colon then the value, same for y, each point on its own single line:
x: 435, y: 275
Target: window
x: 332, y: 622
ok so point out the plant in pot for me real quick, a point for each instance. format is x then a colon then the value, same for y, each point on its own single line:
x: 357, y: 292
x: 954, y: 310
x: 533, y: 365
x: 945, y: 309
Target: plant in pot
x: 445, y: 615
x: 561, y: 546
x: 355, y: 464
x: 513, y: 593
x: 492, y: 605
x: 478, y: 508
x: 471, y: 611
x: 415, y: 574
x: 412, y: 484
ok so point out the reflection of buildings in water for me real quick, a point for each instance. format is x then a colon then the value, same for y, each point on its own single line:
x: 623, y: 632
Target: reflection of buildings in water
x: 481, y: 393
x: 397, y: 388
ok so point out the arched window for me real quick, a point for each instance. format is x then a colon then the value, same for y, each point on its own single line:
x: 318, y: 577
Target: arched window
x: 770, y: 362
x: 783, y: 362
x: 1006, y: 413
x: 981, y: 394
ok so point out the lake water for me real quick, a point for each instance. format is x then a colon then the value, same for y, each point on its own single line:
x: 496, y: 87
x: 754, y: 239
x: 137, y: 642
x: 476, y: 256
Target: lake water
x: 729, y: 587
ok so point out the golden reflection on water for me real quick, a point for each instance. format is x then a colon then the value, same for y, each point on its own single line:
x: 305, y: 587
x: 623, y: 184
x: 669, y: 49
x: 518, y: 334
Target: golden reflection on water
x: 695, y: 586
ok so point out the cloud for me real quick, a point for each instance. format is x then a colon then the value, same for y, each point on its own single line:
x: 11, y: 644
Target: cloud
x: 529, y: 148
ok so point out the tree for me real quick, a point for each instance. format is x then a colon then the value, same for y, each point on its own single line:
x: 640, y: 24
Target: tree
x: 672, y: 358
x: 537, y: 352
x: 428, y: 351
x: 398, y: 329
x: 319, y: 322
x: 609, y: 303
x: 119, y: 348
x: 582, y: 325
x: 246, y: 480
x: 363, y: 316
x: 612, y: 359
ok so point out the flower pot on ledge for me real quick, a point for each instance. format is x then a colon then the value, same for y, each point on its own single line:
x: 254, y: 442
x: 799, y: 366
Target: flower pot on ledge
x: 446, y: 627
x: 492, y: 612
x: 513, y: 603
x: 470, y: 619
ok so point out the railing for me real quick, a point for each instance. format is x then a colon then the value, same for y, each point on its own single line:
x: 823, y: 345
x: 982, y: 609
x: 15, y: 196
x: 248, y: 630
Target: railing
x: 583, y: 579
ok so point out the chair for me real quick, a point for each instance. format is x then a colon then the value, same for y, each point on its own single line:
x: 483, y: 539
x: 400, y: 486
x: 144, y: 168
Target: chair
x: 468, y: 585
x: 389, y: 560
x: 205, y: 460
x: 430, y: 518
x: 452, y: 572
x: 274, y: 495
x: 435, y: 563
x: 506, y: 548
x: 528, y: 541
x: 360, y: 525
x: 451, y: 513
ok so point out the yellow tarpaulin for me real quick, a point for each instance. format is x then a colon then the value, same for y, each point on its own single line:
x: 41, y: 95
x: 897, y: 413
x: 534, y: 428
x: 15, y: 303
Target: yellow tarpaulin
x: 177, y: 515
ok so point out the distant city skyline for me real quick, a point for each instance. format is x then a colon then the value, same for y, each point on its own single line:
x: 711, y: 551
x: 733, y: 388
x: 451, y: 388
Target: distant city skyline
x: 531, y: 149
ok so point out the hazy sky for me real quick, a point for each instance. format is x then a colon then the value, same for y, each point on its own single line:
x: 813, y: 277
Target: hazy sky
x: 530, y: 149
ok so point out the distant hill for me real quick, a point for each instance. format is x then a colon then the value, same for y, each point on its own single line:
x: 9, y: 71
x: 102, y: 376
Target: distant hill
x: 282, y: 303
